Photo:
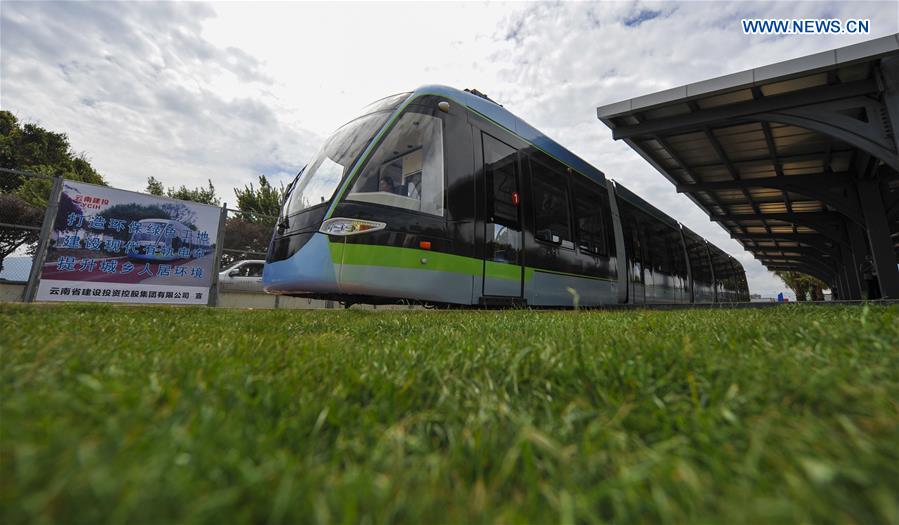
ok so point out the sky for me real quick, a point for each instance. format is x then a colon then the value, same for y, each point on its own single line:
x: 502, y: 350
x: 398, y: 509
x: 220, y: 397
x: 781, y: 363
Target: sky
x: 186, y: 92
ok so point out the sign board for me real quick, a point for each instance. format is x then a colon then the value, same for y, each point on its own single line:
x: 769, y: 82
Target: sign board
x: 116, y: 246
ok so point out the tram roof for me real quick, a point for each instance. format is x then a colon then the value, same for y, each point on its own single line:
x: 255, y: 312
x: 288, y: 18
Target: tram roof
x: 767, y: 152
x: 506, y: 119
x: 643, y: 205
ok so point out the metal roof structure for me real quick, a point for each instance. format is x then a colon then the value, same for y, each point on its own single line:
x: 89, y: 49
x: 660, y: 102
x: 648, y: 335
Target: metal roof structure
x: 798, y: 161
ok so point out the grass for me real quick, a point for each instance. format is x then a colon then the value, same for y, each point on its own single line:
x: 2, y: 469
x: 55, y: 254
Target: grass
x: 157, y: 414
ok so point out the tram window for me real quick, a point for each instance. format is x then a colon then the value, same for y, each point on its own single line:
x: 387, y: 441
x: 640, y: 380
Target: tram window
x: 500, y: 163
x: 677, y: 252
x: 589, y: 208
x: 551, y: 209
x: 406, y: 171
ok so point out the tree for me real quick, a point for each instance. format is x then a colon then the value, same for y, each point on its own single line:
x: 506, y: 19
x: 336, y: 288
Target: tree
x: 34, y: 149
x: 245, y: 240
x: 260, y: 202
x: 202, y: 195
x: 31, y: 148
x: 14, y: 210
x: 804, y: 286
x: 248, y: 233
x: 154, y: 187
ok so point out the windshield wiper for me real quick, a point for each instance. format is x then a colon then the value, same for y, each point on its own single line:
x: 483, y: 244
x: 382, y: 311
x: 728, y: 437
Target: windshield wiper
x: 283, y: 224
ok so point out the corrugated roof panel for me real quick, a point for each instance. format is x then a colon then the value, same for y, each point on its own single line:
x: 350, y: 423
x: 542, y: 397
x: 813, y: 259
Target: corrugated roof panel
x: 743, y: 143
x: 666, y: 111
x: 803, y: 168
x: 737, y: 209
x: 712, y: 173
x: 724, y: 99
x: 781, y: 229
x: 730, y: 196
x: 697, y: 150
x: 738, y: 129
x: 766, y: 194
x: 772, y: 207
x: 757, y: 171
x: 792, y: 141
x: 806, y: 206
x: 786, y: 86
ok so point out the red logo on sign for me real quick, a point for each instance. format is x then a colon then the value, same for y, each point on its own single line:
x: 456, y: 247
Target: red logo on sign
x: 89, y: 202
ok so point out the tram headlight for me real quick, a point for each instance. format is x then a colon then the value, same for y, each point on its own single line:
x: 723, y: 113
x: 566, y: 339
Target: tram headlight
x: 341, y: 226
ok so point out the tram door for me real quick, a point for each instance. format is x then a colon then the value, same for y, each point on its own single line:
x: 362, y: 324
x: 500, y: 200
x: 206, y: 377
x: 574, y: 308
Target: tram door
x: 502, y: 236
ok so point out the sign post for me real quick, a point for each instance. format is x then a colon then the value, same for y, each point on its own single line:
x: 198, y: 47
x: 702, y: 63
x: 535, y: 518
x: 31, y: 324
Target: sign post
x: 214, y: 289
x: 40, y: 253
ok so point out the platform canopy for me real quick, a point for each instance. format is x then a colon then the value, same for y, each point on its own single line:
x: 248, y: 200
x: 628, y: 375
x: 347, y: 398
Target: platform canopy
x: 798, y: 161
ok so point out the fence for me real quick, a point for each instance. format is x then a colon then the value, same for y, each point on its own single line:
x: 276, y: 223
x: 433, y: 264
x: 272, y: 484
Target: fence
x: 21, y: 218
x: 26, y: 223
x: 246, y: 236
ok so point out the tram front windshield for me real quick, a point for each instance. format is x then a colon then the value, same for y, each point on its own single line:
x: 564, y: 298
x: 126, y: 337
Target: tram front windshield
x: 317, y: 183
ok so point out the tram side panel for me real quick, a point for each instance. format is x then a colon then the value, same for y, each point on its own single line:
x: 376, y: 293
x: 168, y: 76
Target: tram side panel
x: 568, y: 248
x: 634, y: 253
x: 723, y: 276
x: 656, y: 260
x: 569, y: 241
x: 700, y: 268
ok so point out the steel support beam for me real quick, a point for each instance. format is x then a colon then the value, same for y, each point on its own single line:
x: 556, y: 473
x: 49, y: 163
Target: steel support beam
x: 817, y: 186
x: 809, y: 263
x: 767, y: 160
x: 828, y: 118
x: 855, y: 237
x: 802, y: 251
x: 841, y: 286
x: 849, y: 274
x: 825, y: 274
x: 735, y: 112
x: 831, y: 279
x: 813, y: 218
x: 889, y: 76
x: 817, y: 180
x: 825, y: 223
x: 811, y: 239
x: 879, y: 239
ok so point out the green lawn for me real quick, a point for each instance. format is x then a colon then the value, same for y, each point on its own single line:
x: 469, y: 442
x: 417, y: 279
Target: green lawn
x: 152, y: 415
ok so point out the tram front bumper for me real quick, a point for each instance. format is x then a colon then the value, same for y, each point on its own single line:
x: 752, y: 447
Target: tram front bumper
x: 310, y: 270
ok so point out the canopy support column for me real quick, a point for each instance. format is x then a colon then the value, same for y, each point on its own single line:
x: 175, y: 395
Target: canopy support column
x: 882, y: 252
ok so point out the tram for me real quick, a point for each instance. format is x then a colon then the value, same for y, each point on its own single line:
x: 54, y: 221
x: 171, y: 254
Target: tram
x: 443, y: 197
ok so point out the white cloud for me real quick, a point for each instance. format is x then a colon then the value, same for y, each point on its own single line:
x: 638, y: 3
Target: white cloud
x: 186, y: 92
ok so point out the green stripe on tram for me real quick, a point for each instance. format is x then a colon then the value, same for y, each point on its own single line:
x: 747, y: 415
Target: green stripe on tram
x: 397, y: 257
